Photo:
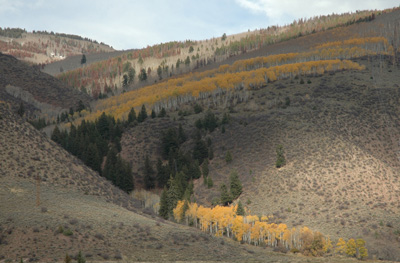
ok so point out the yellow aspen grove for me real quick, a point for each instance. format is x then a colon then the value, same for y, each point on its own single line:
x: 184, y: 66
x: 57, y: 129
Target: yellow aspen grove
x: 251, y: 73
x: 252, y: 229
x: 178, y: 211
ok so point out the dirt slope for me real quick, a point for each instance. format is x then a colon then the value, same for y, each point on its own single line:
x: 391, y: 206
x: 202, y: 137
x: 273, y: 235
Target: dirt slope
x: 340, y: 135
x: 37, y: 89
x: 80, y: 211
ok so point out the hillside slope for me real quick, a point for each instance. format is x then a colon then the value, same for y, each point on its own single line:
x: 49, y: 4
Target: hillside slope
x: 42, y: 47
x: 340, y: 134
x: 80, y: 211
x: 40, y: 91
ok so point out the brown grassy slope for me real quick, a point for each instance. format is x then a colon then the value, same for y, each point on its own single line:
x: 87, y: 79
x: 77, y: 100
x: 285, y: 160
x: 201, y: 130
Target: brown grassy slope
x: 39, y: 89
x: 75, y: 199
x: 340, y: 135
x: 74, y: 62
x: 42, y: 48
x: 383, y: 25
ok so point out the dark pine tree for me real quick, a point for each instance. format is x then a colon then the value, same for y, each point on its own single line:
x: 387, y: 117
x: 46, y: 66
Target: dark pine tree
x: 240, y: 209
x: 142, y: 114
x: 132, y: 115
x: 162, y: 174
x: 163, y: 211
x: 226, y: 198
x: 149, y: 180
x: 235, y: 184
x: 92, y: 158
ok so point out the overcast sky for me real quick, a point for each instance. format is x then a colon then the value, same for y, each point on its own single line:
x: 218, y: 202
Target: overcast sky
x: 126, y: 24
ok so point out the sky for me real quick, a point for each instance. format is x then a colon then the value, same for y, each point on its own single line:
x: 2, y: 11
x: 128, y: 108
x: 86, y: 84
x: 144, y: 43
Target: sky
x: 128, y: 24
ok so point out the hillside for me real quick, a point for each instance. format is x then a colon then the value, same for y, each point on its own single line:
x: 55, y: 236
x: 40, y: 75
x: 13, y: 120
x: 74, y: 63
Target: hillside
x: 340, y: 135
x: 42, y: 47
x: 41, y: 93
x: 327, y: 93
x: 80, y: 211
x: 174, y: 58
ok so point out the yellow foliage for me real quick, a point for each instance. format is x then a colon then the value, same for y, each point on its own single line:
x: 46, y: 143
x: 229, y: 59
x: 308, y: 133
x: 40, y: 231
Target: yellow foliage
x: 341, y: 246
x: 178, y: 211
x: 351, y: 248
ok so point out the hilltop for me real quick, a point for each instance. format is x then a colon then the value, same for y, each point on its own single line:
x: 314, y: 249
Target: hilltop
x: 42, y: 47
x: 170, y: 59
x: 41, y: 94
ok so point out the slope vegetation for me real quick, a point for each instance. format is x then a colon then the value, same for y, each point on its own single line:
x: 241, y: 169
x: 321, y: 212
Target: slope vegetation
x: 80, y: 211
x: 43, y: 47
x: 40, y: 92
x: 174, y: 58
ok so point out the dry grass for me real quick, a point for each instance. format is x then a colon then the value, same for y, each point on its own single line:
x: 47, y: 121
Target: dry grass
x: 79, y: 211
x: 340, y: 134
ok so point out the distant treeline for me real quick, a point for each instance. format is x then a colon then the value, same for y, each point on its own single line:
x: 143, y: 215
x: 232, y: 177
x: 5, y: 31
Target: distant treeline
x: 12, y: 32
x: 76, y: 37
x: 17, y: 33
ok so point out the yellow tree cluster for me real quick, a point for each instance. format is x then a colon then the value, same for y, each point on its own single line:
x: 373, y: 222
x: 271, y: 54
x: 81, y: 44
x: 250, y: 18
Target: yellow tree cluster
x: 352, y: 248
x: 355, y: 42
x: 251, y: 229
x: 195, y: 86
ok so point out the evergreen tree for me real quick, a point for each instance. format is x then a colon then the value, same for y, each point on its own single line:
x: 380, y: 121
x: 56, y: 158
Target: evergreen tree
x: 81, y: 106
x: 210, y: 153
x: 83, y: 59
x: 228, y: 157
x: 226, y: 198
x: 131, y: 75
x: 132, y: 115
x: 200, y: 151
x: 163, y: 210
x: 181, y: 134
x: 204, y: 168
x: 92, y: 158
x: 240, y: 209
x: 153, y: 114
x: 56, y: 136
x: 124, y: 178
x: 210, y: 121
x: 81, y: 258
x: 125, y: 80
x: 194, y: 170
x: 21, y: 109
x: 149, y: 181
x: 169, y: 142
x: 104, y: 125
x: 142, y: 75
x: 210, y: 182
x: 174, y: 195
x: 280, y: 157
x: 235, y: 184
x: 162, y: 174
x: 162, y: 113
x: 187, y: 61
x: 159, y: 72
x: 142, y: 114
x: 109, y: 167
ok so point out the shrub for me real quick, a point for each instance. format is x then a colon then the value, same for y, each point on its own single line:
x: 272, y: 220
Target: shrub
x: 280, y: 157
x: 67, y: 232
x: 228, y: 157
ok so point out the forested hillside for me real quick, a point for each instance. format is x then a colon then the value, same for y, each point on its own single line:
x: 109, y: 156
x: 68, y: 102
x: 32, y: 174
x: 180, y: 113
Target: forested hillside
x: 170, y: 59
